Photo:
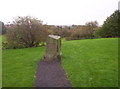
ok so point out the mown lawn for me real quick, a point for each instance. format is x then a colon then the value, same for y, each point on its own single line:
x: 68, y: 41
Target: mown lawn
x: 3, y: 37
x: 92, y: 62
x: 0, y: 60
x: 19, y: 66
x: 88, y: 63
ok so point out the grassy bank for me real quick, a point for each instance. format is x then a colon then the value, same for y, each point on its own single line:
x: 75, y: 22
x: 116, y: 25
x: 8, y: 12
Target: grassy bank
x: 92, y: 62
x: 19, y: 66
x: 88, y: 63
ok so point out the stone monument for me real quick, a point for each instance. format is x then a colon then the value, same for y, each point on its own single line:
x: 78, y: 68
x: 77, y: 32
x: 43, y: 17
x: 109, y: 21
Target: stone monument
x: 53, y: 48
x: 1, y: 27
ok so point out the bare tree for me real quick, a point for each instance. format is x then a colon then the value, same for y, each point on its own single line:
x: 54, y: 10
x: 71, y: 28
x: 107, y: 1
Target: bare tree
x: 26, y: 32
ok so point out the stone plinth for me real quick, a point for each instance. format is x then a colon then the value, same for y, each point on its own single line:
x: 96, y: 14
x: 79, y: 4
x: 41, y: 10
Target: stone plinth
x: 53, y: 48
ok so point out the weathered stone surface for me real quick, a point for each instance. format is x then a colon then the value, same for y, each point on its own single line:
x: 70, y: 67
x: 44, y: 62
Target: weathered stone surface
x: 1, y: 27
x: 53, y: 48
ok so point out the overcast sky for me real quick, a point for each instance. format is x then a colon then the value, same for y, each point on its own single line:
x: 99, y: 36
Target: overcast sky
x: 59, y: 12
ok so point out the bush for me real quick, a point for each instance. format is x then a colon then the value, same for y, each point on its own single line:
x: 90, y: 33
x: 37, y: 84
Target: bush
x: 85, y: 33
x: 26, y: 32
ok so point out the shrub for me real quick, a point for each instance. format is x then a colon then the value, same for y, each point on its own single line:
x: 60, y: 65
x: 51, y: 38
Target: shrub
x: 85, y: 33
x: 26, y: 32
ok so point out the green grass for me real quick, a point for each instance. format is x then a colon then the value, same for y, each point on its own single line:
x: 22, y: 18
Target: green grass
x: 0, y: 61
x: 3, y: 38
x: 91, y: 63
x: 19, y: 66
x: 88, y: 63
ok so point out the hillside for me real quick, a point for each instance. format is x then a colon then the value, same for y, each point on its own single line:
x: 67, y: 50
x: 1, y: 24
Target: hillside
x: 88, y: 63
x: 92, y: 62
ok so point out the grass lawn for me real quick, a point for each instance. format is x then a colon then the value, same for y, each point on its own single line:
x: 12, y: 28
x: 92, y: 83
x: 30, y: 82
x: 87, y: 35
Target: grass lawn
x: 91, y: 63
x: 19, y: 66
x: 88, y: 63
x: 3, y: 38
x: 0, y: 61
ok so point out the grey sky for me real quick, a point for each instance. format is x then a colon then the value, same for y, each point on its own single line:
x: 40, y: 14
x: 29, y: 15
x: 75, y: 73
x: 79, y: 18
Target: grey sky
x: 59, y: 12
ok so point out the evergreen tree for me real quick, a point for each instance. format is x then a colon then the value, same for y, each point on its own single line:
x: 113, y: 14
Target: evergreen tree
x: 111, y: 27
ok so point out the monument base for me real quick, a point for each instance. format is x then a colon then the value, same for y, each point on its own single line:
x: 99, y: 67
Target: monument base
x: 58, y: 58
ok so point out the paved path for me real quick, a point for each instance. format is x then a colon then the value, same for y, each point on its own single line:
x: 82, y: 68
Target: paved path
x: 51, y: 74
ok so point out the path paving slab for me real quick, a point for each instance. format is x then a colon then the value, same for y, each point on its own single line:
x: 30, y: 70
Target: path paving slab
x: 51, y: 74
